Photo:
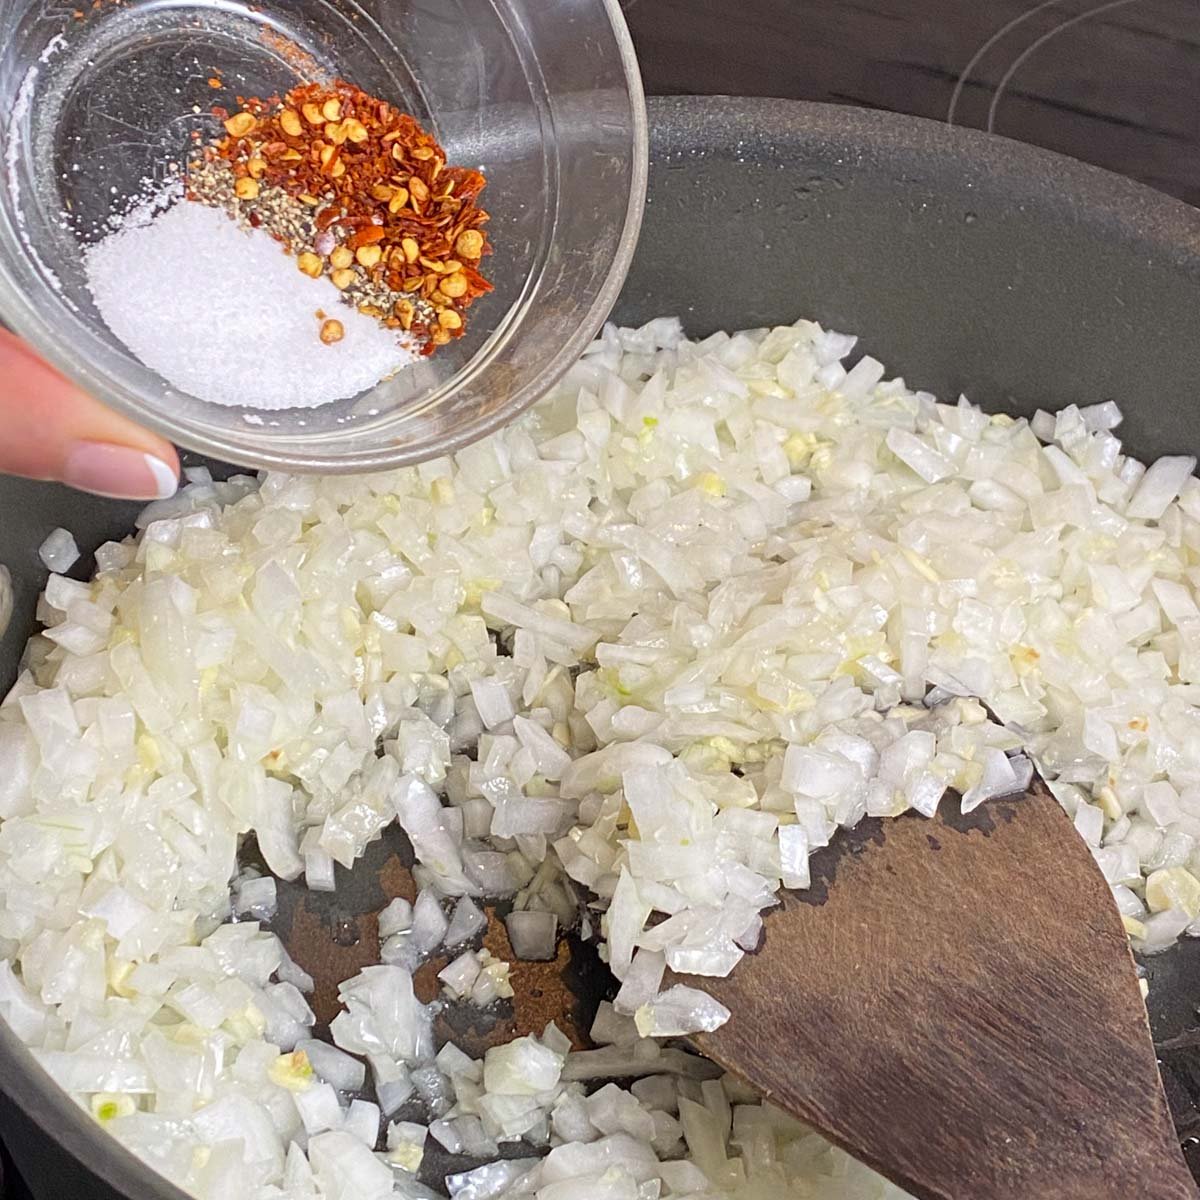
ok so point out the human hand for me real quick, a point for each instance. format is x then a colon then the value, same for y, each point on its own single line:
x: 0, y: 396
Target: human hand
x: 49, y: 429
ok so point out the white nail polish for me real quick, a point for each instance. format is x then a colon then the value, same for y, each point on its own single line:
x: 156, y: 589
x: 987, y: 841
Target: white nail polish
x: 164, y: 478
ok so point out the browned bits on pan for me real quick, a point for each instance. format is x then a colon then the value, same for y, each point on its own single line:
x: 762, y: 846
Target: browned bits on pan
x: 542, y: 990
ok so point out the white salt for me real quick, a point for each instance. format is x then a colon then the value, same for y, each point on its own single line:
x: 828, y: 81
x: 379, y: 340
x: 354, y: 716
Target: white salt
x: 224, y: 314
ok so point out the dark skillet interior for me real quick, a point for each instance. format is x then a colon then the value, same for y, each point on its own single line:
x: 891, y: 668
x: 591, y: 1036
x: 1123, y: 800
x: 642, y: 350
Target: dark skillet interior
x: 966, y: 264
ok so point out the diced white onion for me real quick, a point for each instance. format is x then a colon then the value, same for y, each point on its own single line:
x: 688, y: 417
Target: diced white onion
x: 533, y: 935
x: 625, y: 663
x: 59, y: 551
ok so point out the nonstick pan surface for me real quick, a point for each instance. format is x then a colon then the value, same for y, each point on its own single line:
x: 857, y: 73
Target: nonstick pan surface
x: 966, y: 263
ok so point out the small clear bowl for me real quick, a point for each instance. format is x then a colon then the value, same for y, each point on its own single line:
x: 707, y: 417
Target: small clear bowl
x: 544, y: 95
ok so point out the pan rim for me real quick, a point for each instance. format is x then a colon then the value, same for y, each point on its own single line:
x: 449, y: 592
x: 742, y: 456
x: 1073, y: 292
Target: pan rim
x: 1029, y: 174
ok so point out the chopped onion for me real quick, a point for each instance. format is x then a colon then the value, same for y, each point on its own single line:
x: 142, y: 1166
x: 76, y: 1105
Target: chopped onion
x: 460, y: 975
x: 533, y: 935
x: 466, y: 922
x: 257, y: 897
x: 334, y: 1066
x: 59, y: 551
x: 342, y: 1165
x: 289, y: 972
x: 680, y: 1010
x: 523, y: 1067
x: 406, y: 1145
x: 362, y: 1120
x: 429, y: 922
x: 6, y: 599
x: 642, y: 981
x: 1161, y: 483
x: 396, y: 918
x: 488, y: 1182
x: 629, y: 662
x: 318, y: 1108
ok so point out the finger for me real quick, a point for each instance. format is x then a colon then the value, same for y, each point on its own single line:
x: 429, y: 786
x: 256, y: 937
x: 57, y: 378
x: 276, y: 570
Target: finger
x: 49, y: 429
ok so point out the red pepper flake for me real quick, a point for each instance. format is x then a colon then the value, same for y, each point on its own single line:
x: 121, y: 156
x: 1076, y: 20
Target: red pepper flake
x: 377, y: 179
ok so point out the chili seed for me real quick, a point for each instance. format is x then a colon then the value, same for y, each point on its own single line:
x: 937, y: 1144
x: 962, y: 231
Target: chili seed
x: 240, y: 124
x: 469, y: 243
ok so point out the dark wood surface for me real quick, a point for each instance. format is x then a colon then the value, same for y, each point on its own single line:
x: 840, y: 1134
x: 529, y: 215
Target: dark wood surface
x: 954, y: 1001
x: 1113, y: 82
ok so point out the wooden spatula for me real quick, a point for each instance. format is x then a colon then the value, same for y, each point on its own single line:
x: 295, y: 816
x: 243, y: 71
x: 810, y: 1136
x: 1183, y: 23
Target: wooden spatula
x: 954, y: 1002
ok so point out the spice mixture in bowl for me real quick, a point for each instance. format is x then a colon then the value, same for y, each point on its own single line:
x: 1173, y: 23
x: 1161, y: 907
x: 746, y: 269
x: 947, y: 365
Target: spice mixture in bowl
x: 259, y: 229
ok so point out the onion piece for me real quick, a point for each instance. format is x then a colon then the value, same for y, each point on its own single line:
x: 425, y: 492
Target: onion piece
x: 467, y: 921
x: 533, y: 935
x: 429, y: 922
x: 680, y: 1010
x: 59, y: 551
x: 1160, y: 485
x: 334, y: 1066
x: 257, y: 897
x: 6, y: 599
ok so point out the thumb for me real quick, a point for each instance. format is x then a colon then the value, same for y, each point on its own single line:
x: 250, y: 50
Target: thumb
x: 49, y: 429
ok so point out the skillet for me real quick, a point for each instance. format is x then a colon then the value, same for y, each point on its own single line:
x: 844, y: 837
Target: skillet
x: 966, y: 263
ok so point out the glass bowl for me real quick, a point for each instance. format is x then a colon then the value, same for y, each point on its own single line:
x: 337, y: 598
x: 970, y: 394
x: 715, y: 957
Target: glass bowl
x: 543, y: 95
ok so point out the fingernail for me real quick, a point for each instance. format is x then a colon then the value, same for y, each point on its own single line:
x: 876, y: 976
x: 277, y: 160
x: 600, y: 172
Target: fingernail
x: 119, y: 472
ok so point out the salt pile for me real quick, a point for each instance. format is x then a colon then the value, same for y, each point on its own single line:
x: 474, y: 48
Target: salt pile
x: 223, y: 313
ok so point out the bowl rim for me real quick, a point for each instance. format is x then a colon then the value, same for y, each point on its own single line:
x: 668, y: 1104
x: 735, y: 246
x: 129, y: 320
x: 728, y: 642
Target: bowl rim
x: 1044, y: 178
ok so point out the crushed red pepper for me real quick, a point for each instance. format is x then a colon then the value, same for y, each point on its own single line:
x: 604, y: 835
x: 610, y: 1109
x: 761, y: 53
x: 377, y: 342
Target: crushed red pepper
x: 381, y: 192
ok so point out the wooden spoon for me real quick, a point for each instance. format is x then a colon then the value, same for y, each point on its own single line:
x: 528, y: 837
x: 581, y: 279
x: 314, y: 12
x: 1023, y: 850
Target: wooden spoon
x: 954, y: 1002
